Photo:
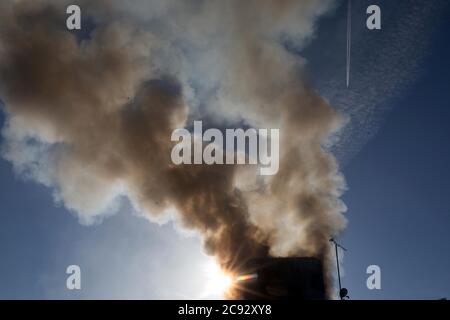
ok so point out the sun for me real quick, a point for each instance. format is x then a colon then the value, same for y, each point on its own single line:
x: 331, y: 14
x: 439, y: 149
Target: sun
x: 218, y: 282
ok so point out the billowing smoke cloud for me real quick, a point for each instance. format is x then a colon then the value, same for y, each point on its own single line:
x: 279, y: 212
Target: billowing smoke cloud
x: 90, y: 114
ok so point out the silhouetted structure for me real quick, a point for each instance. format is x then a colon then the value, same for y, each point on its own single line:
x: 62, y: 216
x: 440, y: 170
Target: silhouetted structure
x: 282, y: 278
x: 343, y: 292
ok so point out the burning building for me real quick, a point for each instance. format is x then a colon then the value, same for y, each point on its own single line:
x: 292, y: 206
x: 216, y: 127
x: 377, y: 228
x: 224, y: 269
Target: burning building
x: 281, y: 278
x: 90, y: 115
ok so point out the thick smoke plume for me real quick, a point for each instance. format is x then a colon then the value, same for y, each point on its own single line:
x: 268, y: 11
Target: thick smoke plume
x: 90, y: 114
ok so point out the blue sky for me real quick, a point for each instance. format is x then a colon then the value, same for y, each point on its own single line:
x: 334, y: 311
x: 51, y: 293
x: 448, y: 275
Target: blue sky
x: 395, y: 160
x: 398, y: 201
x: 399, y: 185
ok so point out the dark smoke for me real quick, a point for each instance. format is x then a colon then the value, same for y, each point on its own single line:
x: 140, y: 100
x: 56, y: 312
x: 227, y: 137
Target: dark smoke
x: 91, y: 117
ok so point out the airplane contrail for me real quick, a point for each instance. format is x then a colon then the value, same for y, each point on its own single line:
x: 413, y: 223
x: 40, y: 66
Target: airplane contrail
x: 349, y: 38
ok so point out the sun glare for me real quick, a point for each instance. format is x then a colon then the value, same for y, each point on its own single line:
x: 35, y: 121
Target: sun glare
x: 217, y: 281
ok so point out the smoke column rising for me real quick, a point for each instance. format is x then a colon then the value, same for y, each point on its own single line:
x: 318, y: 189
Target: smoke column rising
x: 91, y: 116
